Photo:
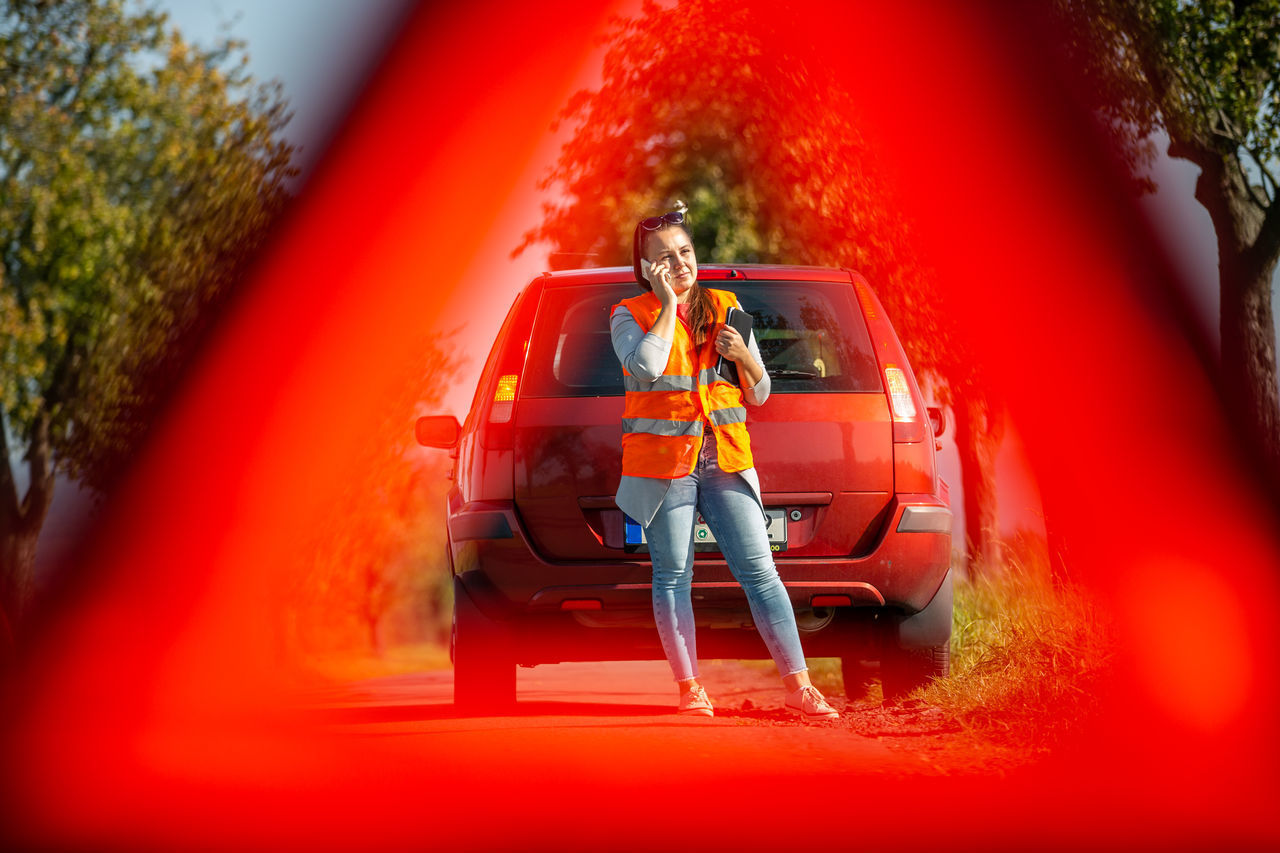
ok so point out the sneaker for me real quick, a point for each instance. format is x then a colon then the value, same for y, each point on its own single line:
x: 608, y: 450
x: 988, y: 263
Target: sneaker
x: 694, y: 703
x: 809, y: 703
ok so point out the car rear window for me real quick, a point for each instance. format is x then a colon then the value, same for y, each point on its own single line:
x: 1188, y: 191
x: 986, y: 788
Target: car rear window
x: 811, y: 335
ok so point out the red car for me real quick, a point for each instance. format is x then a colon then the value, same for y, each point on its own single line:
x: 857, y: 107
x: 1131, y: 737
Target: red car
x: 546, y: 567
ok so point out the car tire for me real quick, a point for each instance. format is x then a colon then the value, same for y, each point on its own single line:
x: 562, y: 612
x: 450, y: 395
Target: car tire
x: 484, y: 670
x: 903, y: 670
x: 859, y: 674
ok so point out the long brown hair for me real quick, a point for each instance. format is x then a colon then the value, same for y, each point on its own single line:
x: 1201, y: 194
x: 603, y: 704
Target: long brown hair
x: 702, y: 312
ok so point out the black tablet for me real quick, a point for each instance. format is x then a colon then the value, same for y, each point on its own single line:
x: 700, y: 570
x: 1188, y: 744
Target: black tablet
x: 742, y: 321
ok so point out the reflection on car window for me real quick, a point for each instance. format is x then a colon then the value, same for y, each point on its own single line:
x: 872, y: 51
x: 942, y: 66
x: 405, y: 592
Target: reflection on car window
x: 571, y: 354
x: 811, y: 336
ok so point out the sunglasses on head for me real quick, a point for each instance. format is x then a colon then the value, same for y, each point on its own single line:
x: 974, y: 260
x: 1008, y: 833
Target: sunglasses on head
x: 653, y: 223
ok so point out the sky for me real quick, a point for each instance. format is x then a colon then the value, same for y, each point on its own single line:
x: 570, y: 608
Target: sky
x: 321, y: 51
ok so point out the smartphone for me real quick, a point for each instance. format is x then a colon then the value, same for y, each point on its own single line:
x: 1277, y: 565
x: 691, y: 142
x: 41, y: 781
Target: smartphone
x: 646, y: 269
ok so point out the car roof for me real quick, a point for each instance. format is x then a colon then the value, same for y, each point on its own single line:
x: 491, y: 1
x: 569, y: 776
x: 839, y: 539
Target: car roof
x: 706, y: 272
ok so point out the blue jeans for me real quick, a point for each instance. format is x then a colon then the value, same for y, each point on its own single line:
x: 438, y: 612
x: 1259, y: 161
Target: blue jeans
x: 729, y: 508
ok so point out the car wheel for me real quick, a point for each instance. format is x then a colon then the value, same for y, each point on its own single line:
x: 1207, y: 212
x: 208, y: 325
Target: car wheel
x: 858, y: 676
x: 484, y: 670
x: 903, y: 670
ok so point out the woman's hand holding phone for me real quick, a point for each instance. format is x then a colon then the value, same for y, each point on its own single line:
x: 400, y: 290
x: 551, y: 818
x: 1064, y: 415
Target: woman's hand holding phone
x: 659, y: 276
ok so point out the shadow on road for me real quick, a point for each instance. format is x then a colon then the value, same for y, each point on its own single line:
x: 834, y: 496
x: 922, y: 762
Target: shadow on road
x: 402, y: 713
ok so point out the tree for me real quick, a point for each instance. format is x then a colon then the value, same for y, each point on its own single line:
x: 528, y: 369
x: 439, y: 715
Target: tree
x: 699, y: 103
x: 138, y: 175
x: 1208, y: 75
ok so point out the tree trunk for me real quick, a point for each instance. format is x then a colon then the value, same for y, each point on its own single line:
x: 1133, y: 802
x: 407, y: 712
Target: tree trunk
x: 978, y: 436
x: 375, y: 644
x: 18, y: 564
x: 372, y: 604
x: 21, y: 521
x: 1249, y: 357
x: 1248, y: 245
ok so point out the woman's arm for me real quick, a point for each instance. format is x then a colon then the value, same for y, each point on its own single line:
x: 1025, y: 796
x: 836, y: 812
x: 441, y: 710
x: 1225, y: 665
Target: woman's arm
x: 752, y: 377
x: 755, y: 394
x: 643, y: 355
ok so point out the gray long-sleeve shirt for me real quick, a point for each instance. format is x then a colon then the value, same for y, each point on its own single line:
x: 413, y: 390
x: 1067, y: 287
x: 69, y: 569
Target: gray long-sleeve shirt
x: 645, y: 357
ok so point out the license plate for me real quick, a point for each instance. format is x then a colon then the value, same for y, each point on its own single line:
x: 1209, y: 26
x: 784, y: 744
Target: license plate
x: 705, y: 540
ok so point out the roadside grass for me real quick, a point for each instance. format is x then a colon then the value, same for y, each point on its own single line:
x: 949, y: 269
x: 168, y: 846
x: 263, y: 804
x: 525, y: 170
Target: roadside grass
x: 1028, y: 657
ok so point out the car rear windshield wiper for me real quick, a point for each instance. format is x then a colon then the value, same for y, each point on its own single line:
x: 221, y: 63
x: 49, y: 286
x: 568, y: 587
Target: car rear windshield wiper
x: 784, y: 373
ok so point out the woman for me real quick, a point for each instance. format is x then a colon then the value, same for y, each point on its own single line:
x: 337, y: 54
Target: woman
x: 685, y: 450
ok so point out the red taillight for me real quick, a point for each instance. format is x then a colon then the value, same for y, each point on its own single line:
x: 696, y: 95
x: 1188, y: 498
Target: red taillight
x: 507, y: 388
x: 914, y: 466
x: 506, y: 392
x: 905, y: 403
x: 504, y: 398
x: 904, y: 407
x: 489, y: 458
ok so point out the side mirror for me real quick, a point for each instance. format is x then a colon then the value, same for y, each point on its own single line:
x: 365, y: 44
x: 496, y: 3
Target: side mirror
x: 937, y: 420
x: 438, y: 431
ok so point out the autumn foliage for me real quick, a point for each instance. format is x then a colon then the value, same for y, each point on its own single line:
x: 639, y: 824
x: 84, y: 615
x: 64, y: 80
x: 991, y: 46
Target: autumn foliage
x: 699, y: 103
x: 372, y: 572
x: 139, y: 175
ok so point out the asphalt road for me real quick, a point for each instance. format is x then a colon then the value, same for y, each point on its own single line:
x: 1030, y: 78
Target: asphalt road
x: 598, y: 709
x: 596, y: 750
x: 592, y: 758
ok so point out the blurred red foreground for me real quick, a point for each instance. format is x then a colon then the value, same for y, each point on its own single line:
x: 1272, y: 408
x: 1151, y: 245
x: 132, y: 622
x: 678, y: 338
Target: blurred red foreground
x: 147, y: 714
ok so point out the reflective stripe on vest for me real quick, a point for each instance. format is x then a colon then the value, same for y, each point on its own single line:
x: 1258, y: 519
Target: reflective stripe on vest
x: 663, y: 420
x: 723, y: 417
x: 653, y: 426
x: 662, y: 383
x: 708, y: 376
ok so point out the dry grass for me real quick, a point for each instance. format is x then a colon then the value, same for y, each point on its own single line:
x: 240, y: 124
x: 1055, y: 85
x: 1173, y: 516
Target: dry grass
x: 1028, y: 657
x: 825, y: 675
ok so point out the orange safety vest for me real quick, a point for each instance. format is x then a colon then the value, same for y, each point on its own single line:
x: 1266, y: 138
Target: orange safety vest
x: 662, y: 422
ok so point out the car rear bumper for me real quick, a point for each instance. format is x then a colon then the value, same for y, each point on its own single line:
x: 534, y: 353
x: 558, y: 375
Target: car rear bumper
x: 495, y: 560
